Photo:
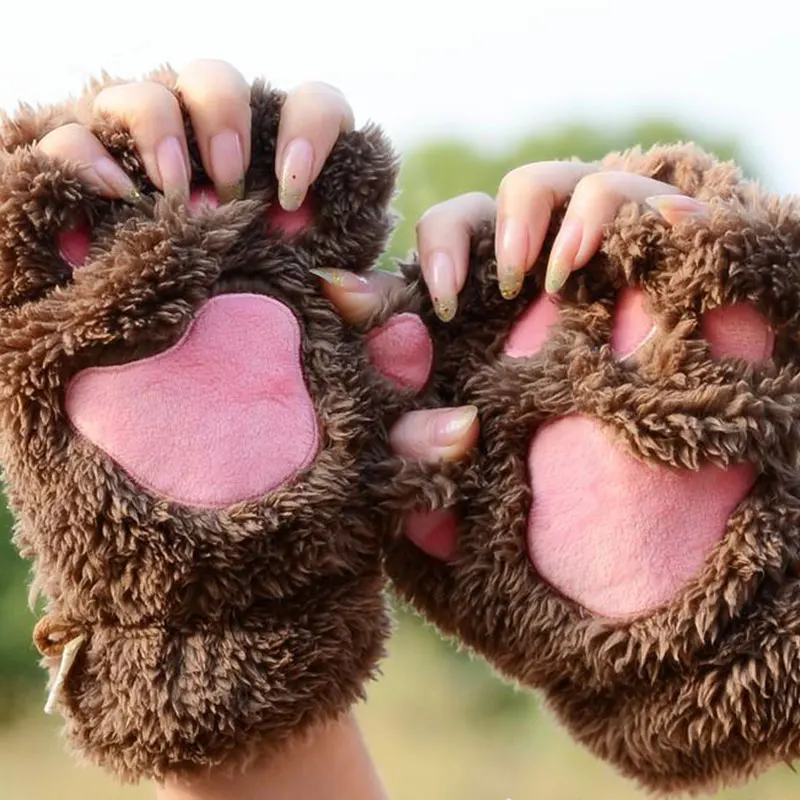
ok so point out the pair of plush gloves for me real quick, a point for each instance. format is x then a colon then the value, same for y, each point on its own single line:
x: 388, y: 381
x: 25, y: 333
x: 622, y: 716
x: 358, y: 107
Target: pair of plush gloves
x: 195, y: 449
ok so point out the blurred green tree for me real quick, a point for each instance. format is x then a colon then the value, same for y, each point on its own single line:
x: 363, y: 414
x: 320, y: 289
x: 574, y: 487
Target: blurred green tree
x: 431, y: 173
x: 18, y: 657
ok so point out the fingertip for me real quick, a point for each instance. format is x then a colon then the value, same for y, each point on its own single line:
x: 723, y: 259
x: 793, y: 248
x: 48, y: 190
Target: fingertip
x: 675, y: 208
x: 591, y: 240
x: 295, y: 173
x: 453, y: 428
x: 512, y: 252
x: 116, y: 181
x: 355, y: 297
x: 443, y: 236
x: 78, y: 144
x: 313, y: 116
x: 468, y: 437
x: 563, y: 255
x: 435, y: 435
x: 439, y: 273
x: 153, y: 115
x: 217, y: 98
x: 228, y: 166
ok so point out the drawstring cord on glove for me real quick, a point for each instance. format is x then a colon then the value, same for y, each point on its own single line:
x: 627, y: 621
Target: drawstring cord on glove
x: 54, y: 639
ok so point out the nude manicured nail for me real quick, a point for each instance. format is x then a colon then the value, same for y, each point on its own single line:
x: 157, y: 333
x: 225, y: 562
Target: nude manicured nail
x: 512, y: 257
x: 676, y: 207
x: 442, y: 285
x: 172, y: 167
x: 227, y: 164
x: 450, y: 426
x: 118, y: 183
x: 562, y: 256
x: 295, y: 174
x: 355, y: 297
x: 344, y: 280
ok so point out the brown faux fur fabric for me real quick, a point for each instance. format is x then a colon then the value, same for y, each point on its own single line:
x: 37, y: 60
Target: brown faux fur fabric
x: 703, y: 690
x: 211, y: 635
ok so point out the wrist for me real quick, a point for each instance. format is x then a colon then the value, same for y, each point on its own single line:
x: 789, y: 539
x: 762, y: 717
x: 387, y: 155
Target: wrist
x: 331, y: 762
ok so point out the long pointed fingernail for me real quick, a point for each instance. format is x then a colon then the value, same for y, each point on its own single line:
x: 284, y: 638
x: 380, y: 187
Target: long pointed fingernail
x: 512, y: 256
x: 562, y: 256
x: 344, y: 279
x: 677, y: 207
x: 118, y: 183
x: 227, y: 164
x: 442, y: 285
x: 451, y: 426
x: 295, y: 174
x: 355, y: 298
x: 172, y: 167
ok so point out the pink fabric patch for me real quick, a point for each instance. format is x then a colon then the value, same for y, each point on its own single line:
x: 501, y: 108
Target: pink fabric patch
x: 203, y: 196
x: 291, y: 222
x: 740, y: 331
x: 73, y: 245
x: 613, y: 533
x: 433, y: 532
x: 632, y: 325
x: 528, y: 336
x: 221, y: 417
x: 402, y: 351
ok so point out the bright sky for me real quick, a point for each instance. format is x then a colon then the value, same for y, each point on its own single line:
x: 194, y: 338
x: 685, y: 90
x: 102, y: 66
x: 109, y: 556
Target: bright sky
x: 423, y: 67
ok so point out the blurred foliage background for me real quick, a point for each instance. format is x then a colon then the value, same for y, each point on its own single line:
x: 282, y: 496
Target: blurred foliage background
x: 442, y: 727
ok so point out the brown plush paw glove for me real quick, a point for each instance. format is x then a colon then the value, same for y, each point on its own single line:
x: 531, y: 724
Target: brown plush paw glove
x: 187, y: 432
x: 627, y: 525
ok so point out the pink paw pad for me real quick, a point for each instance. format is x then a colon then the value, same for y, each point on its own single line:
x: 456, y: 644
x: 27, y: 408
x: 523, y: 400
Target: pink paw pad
x: 221, y: 417
x: 615, y: 534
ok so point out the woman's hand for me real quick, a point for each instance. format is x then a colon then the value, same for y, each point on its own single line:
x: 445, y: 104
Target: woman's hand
x: 217, y: 99
x: 525, y: 202
x: 331, y: 762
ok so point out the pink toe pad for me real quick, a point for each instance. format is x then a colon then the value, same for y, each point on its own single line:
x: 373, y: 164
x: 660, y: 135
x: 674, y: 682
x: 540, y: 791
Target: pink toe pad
x: 402, y: 351
x: 615, y: 534
x: 530, y: 333
x: 632, y: 326
x: 739, y: 331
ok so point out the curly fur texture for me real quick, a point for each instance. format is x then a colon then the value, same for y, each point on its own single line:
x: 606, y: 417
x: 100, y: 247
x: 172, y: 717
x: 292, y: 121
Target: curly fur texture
x: 212, y: 635
x: 703, y: 690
